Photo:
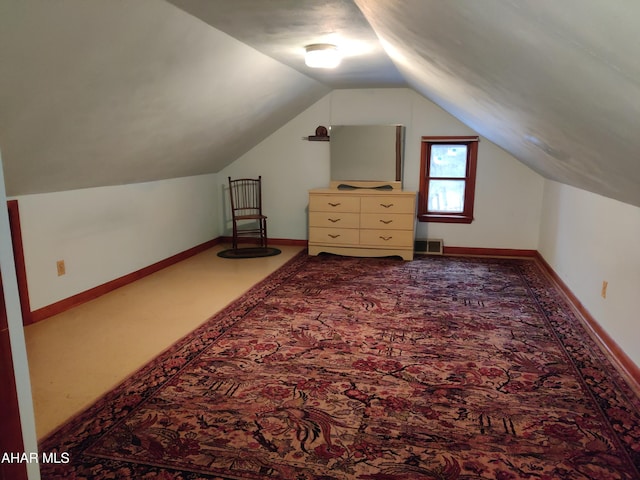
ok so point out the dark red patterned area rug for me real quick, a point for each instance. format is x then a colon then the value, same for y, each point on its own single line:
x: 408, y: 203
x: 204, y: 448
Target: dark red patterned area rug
x: 374, y: 369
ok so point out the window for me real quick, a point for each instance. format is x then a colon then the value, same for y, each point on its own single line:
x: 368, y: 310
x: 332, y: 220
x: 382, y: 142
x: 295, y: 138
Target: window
x: 447, y: 179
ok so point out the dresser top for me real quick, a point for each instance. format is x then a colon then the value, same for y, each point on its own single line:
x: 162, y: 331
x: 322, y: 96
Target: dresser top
x: 360, y: 192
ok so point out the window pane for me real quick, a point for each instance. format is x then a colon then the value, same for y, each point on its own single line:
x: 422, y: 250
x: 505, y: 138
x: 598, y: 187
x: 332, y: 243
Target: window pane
x: 448, y: 161
x: 446, y: 196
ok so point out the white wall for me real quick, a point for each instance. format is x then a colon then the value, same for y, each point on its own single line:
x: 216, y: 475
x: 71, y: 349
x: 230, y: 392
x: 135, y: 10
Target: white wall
x: 508, y: 194
x: 107, y: 232
x: 588, y: 239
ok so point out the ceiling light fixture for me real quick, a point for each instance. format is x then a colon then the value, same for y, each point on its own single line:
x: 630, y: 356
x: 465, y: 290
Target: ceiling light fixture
x: 322, y: 55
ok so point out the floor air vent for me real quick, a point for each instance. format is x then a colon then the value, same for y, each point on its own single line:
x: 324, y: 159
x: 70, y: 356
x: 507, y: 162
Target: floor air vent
x: 430, y: 246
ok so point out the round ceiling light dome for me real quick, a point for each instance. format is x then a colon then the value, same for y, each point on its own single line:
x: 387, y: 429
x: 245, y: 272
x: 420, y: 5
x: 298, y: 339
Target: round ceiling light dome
x: 322, y: 55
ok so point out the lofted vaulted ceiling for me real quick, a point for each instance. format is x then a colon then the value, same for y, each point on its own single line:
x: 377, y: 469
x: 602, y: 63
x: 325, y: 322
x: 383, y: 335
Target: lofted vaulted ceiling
x: 103, y: 92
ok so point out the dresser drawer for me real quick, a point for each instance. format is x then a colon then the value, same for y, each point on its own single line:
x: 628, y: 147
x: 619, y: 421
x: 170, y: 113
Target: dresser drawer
x: 388, y: 204
x: 334, y: 236
x: 334, y: 219
x: 398, y: 221
x: 387, y: 238
x: 333, y: 203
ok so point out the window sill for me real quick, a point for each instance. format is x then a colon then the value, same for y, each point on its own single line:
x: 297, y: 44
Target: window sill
x: 444, y: 218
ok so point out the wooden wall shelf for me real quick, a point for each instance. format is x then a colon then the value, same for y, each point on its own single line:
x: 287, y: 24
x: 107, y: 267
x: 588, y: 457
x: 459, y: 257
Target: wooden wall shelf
x: 322, y: 135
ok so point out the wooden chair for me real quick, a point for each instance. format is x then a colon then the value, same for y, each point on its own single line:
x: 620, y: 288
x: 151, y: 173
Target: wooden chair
x: 246, y: 210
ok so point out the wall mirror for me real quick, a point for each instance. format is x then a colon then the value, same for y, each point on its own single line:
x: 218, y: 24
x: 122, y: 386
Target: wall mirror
x: 367, y: 152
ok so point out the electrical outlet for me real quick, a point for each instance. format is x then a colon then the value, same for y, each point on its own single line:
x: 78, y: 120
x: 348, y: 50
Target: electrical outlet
x: 61, y: 268
x: 603, y: 292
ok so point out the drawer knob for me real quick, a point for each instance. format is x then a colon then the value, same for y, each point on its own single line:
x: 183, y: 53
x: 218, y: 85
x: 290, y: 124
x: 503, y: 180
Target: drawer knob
x: 386, y: 222
x: 385, y: 238
x: 386, y: 205
x: 334, y: 235
x: 334, y: 204
x: 334, y: 220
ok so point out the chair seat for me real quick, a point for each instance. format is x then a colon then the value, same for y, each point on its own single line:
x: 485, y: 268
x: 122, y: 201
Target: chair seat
x: 251, y: 217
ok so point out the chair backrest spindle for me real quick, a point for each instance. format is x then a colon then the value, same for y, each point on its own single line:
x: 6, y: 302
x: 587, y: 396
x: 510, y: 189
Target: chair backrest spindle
x: 246, y: 195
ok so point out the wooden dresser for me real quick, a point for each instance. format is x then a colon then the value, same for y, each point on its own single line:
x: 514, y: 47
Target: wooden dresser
x: 362, y: 222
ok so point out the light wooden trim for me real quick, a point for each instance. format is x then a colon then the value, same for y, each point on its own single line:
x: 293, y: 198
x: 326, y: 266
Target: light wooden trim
x: 373, y: 252
x: 364, y: 184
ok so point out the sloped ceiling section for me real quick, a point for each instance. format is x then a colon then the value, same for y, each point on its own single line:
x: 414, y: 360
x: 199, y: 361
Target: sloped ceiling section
x: 97, y: 92
x: 556, y: 84
x: 103, y: 92
x: 282, y: 28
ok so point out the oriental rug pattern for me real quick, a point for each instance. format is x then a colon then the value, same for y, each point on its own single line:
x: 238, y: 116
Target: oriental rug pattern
x: 373, y: 369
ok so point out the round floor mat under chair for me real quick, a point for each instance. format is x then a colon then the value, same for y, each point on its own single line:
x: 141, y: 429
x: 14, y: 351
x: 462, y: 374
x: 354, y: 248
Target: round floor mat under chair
x: 249, y: 252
